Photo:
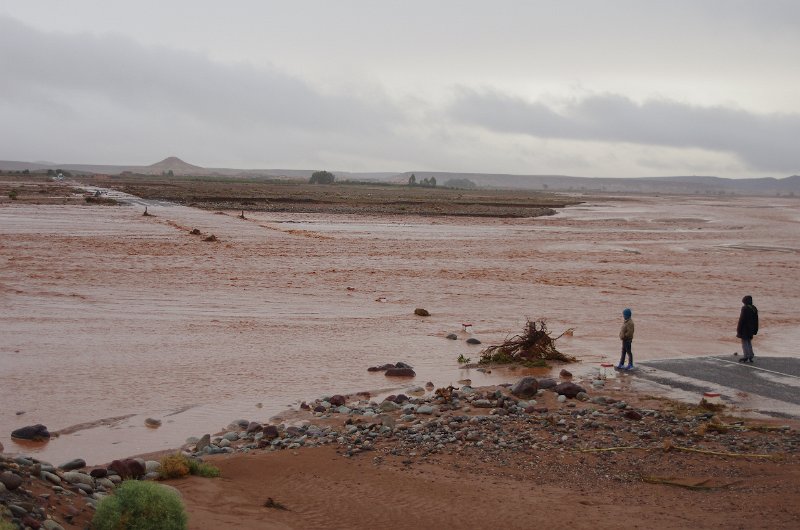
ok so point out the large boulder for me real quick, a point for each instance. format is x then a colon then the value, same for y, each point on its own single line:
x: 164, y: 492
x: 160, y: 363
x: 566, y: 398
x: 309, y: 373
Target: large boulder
x: 337, y: 400
x: 271, y: 432
x: 546, y: 383
x: 525, y: 387
x: 568, y: 389
x: 204, y: 442
x: 128, y: 468
x: 380, y: 368
x: 36, y: 432
x: 400, y: 372
x: 10, y: 480
x: 78, y: 463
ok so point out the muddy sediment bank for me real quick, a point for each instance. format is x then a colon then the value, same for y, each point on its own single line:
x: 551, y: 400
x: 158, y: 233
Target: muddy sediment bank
x: 481, y: 455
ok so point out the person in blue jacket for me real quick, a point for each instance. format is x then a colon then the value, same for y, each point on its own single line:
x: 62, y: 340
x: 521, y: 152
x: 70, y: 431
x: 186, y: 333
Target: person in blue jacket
x: 626, y: 336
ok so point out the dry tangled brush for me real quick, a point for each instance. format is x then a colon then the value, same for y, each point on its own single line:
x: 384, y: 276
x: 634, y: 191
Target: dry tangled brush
x: 533, y: 344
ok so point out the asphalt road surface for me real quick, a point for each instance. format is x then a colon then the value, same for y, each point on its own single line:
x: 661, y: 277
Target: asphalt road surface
x: 767, y: 382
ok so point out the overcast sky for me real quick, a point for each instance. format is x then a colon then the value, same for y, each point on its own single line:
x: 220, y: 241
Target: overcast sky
x: 590, y: 88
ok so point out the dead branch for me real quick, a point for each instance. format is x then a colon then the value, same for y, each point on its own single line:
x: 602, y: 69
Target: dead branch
x: 533, y: 343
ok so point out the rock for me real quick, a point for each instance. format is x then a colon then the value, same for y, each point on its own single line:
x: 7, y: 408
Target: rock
x: 400, y: 372
x: 582, y: 396
x: 632, y: 415
x: 380, y: 368
x: 36, y: 432
x: 401, y: 364
x: 204, y: 442
x: 10, y: 480
x: 270, y: 432
x: 568, y: 389
x: 473, y: 340
x: 546, y: 383
x: 78, y: 463
x: 129, y: 467
x: 18, y: 511
x: 76, y: 477
x: 152, y: 466
x: 425, y: 409
x: 252, y: 427
x: 30, y: 522
x: 429, y: 385
x: 152, y: 423
x: 51, y: 477
x: 49, y: 524
x: 566, y: 374
x: 452, y: 336
x: 99, y: 472
x: 338, y: 400
x: 525, y: 387
x: 388, y: 406
x: 1, y: 448
x: 482, y: 404
x: 231, y: 436
x: 562, y: 398
x: 421, y: 312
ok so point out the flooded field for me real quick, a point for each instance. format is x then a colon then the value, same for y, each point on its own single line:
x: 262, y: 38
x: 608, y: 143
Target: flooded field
x: 110, y: 317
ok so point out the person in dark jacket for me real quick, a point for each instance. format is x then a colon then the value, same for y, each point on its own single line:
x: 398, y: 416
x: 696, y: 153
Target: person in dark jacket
x: 747, y: 328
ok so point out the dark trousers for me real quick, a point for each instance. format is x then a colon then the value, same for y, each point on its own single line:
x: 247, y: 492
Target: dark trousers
x: 626, y: 349
x: 747, y: 348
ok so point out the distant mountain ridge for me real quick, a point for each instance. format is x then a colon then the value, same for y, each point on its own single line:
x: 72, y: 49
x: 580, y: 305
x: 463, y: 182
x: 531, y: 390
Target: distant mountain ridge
x: 707, y: 185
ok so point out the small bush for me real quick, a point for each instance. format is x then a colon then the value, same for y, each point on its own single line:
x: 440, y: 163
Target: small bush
x: 7, y: 525
x: 202, y: 469
x: 174, y: 466
x: 13, y: 194
x: 140, y: 505
x: 179, y: 465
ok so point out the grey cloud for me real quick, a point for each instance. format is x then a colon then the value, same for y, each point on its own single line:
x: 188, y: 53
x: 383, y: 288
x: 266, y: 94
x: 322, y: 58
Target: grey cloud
x: 764, y: 141
x: 63, y: 72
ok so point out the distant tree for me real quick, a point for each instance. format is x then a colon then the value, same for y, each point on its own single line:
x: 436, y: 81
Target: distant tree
x: 425, y: 182
x: 432, y: 182
x: 26, y: 171
x: 412, y: 180
x: 459, y: 183
x: 51, y: 173
x: 170, y: 173
x: 322, y: 177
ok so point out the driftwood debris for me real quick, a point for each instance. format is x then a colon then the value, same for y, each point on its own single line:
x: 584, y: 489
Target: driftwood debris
x: 534, y: 343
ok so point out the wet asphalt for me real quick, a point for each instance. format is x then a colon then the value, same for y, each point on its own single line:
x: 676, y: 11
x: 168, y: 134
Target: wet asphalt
x: 775, y: 378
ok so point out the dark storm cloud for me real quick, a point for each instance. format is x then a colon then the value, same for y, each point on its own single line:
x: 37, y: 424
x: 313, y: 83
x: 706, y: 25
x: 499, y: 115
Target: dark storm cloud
x: 764, y: 141
x: 80, y: 74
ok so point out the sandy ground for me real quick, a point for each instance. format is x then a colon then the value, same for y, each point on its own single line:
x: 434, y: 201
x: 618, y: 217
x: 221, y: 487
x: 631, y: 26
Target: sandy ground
x: 111, y: 317
x: 324, y: 490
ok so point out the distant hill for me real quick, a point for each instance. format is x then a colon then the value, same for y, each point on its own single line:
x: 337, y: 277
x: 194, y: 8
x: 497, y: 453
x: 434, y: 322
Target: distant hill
x: 176, y: 165
x: 702, y: 185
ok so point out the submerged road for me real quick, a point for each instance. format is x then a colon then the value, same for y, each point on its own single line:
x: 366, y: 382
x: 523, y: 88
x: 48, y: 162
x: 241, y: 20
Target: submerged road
x: 770, y: 385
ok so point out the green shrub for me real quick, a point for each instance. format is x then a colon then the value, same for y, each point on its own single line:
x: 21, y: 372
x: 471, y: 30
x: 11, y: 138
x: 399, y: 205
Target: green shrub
x: 140, y: 505
x: 4, y: 524
x: 174, y: 466
x: 13, y: 194
x: 202, y: 469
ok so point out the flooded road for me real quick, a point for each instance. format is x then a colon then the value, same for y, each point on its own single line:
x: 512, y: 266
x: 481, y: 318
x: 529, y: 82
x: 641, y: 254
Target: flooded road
x: 110, y: 315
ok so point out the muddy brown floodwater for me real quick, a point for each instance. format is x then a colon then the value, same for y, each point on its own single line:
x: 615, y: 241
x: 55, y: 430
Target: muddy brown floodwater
x: 110, y: 317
